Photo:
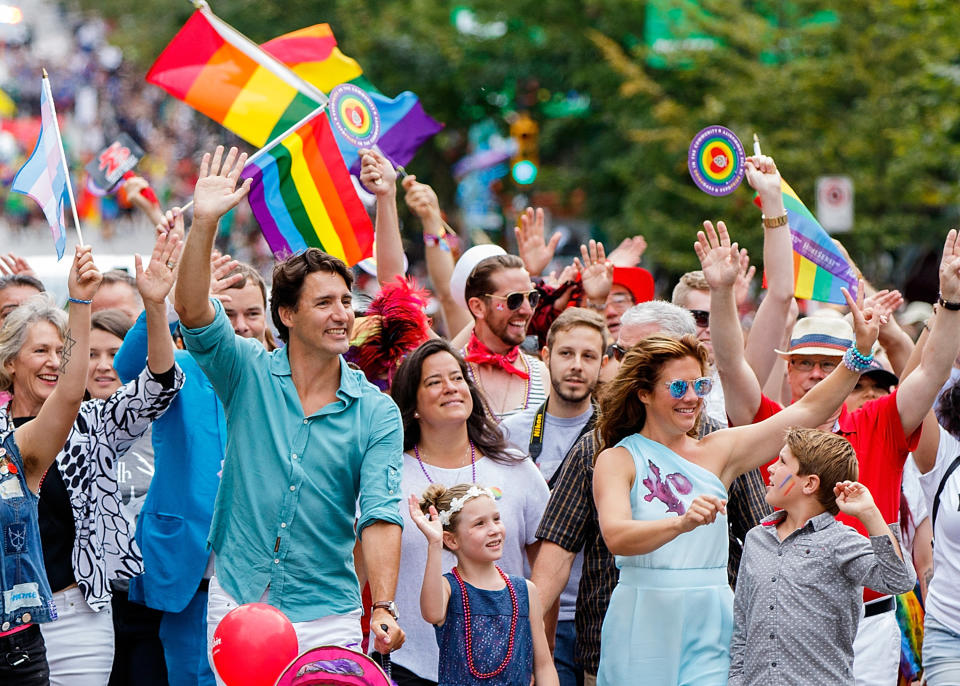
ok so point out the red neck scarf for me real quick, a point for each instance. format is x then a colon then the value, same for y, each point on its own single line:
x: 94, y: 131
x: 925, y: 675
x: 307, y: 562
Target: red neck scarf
x: 479, y: 353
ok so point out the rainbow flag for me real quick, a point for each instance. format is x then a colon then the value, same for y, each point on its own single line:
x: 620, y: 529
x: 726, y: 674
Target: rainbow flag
x: 404, y: 124
x: 910, y: 616
x: 819, y: 268
x: 260, y: 92
x: 302, y: 196
x: 219, y: 72
x: 313, y: 55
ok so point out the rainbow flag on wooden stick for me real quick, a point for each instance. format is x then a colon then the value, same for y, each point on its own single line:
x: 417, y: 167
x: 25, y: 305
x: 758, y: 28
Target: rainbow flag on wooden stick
x: 819, y: 268
x: 221, y: 73
x: 302, y: 196
x: 258, y: 92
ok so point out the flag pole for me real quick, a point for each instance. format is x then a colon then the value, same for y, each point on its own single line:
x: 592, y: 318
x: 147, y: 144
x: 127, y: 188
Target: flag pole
x: 272, y: 144
x: 63, y: 157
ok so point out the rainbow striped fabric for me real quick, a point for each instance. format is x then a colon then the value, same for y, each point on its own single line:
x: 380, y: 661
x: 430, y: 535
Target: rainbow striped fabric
x: 219, y: 72
x: 258, y: 92
x: 820, y: 270
x: 404, y: 125
x: 302, y: 196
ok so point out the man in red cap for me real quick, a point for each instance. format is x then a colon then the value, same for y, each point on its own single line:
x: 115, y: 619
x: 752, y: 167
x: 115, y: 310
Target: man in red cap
x: 631, y: 285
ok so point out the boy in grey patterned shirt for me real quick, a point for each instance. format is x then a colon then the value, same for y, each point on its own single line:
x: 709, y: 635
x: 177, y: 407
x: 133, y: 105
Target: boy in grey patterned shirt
x: 799, y: 590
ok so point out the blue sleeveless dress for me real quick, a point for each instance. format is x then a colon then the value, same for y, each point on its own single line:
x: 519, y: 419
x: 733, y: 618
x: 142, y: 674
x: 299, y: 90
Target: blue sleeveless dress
x: 490, y: 613
x: 670, y: 617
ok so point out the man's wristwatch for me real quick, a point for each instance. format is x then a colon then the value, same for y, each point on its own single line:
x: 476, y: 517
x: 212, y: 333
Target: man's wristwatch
x: 774, y: 222
x: 389, y: 606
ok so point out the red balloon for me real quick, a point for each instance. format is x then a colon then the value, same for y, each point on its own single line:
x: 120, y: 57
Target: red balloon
x: 253, y: 644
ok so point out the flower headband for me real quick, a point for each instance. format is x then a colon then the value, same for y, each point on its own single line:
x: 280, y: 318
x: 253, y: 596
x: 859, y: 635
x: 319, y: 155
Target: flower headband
x: 457, y: 503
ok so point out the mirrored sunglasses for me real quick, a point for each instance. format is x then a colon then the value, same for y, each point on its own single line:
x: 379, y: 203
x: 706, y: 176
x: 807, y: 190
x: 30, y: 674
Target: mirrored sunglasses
x: 701, y: 317
x: 515, y: 300
x: 678, y: 387
x: 616, y: 351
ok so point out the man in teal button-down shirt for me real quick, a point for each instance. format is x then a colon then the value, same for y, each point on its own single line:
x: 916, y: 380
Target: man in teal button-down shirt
x: 307, y: 439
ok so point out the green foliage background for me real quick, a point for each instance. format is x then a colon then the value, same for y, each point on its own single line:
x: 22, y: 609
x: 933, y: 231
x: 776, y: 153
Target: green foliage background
x: 872, y: 93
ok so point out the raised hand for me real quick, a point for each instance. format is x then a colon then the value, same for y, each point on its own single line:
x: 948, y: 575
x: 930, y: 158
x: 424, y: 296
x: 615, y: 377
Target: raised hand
x: 950, y: 268
x: 172, y: 221
x: 377, y: 173
x: 155, y: 282
x: 719, y: 259
x: 884, y: 303
x: 535, y: 252
x: 220, y: 277
x: 763, y: 177
x: 629, y: 252
x: 866, y: 325
x: 596, y: 272
x: 11, y: 264
x: 84, y: 278
x: 702, y: 511
x: 741, y: 288
x: 431, y: 527
x: 421, y: 198
x: 853, y: 498
x: 216, y: 192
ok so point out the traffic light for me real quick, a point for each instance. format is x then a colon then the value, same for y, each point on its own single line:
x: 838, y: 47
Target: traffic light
x: 526, y: 160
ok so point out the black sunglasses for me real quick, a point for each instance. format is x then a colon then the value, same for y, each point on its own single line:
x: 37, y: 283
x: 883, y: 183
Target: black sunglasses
x: 616, y: 351
x: 515, y: 300
x: 701, y: 317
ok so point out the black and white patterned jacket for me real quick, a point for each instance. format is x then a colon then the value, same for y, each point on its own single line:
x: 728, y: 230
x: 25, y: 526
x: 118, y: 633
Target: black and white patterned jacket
x: 104, y: 430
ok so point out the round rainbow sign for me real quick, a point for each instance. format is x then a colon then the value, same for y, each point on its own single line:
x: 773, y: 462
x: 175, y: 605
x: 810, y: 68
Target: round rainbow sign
x: 716, y: 160
x: 354, y: 115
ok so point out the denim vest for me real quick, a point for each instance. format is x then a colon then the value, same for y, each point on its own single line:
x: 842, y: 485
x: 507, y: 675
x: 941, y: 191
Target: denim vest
x: 23, y: 580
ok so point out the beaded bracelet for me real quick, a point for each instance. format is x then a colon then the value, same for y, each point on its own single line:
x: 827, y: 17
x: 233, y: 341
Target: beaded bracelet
x: 439, y: 241
x: 856, y: 361
x: 79, y: 301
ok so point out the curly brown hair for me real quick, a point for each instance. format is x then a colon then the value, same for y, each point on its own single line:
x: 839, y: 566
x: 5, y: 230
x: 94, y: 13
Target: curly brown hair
x: 621, y: 411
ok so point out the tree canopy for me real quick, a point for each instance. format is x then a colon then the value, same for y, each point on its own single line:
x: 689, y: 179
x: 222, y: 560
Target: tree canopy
x: 864, y: 89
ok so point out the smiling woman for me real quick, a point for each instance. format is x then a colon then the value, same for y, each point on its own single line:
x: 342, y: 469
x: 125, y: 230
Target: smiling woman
x: 449, y: 439
x: 86, y: 538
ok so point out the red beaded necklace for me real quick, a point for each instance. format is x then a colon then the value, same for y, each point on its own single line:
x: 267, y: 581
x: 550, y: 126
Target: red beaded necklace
x: 467, y: 630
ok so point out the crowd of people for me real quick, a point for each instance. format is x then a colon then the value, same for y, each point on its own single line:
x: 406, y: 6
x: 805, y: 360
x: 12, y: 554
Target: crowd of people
x: 576, y: 483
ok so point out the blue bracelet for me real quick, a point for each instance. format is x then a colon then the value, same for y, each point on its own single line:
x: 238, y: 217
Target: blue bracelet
x: 79, y: 301
x: 856, y: 361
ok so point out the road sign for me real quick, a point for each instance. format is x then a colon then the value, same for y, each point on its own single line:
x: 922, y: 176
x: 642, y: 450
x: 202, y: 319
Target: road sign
x: 835, y: 203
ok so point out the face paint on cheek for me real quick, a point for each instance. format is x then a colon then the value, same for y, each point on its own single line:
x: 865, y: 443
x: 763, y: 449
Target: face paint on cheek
x: 500, y: 307
x: 783, y: 483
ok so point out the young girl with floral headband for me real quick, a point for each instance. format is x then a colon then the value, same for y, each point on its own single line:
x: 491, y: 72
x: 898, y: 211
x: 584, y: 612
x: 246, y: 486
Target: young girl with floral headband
x: 489, y: 625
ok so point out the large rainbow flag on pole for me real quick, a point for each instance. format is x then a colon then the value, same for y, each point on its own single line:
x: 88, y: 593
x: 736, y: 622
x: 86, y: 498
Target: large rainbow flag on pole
x: 302, y: 196
x: 819, y: 268
x: 258, y: 92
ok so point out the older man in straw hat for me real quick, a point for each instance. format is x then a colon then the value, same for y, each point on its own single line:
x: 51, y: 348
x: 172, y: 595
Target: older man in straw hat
x: 882, y: 431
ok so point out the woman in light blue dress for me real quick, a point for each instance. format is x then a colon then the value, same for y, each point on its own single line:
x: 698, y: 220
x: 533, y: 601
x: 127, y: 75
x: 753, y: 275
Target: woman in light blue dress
x: 661, y: 497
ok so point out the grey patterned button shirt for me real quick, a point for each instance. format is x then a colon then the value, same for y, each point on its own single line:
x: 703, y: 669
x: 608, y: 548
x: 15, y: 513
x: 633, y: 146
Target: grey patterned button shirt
x: 799, y: 600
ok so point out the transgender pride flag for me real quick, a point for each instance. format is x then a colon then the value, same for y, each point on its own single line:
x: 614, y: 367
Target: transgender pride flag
x: 44, y: 176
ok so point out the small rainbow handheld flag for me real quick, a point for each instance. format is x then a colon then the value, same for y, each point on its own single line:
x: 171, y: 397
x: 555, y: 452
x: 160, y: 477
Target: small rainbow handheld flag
x: 302, y: 196
x: 819, y: 268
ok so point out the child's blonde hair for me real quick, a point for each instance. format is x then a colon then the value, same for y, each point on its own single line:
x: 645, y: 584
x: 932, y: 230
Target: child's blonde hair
x: 442, y: 498
x: 829, y: 456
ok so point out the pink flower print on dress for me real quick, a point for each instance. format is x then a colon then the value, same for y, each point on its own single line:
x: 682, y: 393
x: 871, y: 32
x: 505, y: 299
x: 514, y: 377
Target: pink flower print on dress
x: 663, y: 492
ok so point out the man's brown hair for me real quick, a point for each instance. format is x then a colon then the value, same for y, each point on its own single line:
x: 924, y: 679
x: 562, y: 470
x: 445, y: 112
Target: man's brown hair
x: 479, y: 284
x: 829, y: 456
x: 573, y: 317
